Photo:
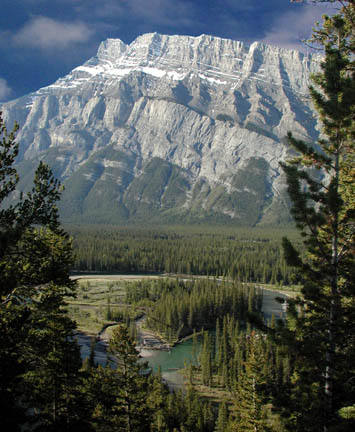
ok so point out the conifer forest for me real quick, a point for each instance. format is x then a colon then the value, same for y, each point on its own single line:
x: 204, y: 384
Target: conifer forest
x: 204, y: 284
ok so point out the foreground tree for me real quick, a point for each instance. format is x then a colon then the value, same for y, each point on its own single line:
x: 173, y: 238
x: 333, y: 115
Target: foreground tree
x: 119, y: 395
x: 320, y: 333
x: 39, y: 360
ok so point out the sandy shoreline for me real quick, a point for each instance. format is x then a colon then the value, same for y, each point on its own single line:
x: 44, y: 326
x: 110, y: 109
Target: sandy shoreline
x: 145, y: 353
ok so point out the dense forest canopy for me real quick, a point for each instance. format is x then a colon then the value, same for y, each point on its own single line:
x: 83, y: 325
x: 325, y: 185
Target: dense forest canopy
x: 244, y: 255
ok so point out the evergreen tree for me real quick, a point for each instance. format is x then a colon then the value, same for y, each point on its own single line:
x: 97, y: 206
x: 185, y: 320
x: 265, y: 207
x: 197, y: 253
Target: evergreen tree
x: 206, y: 360
x: 130, y: 408
x: 39, y: 360
x: 320, y: 332
x: 157, y: 402
x: 222, y: 419
x: 51, y: 385
x: 249, y: 412
x: 198, y: 415
x: 101, y: 387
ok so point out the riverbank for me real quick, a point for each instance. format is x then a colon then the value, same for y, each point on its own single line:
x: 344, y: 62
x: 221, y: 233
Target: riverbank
x: 148, y: 341
x: 168, y: 360
x: 85, y: 343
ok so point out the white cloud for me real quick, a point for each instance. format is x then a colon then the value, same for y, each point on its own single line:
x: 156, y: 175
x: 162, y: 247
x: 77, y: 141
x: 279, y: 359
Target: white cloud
x: 291, y: 28
x: 46, y: 33
x: 5, y: 90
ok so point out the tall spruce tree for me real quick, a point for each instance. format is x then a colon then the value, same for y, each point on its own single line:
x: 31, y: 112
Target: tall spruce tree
x: 222, y: 418
x: 131, y: 405
x: 249, y: 407
x: 206, y: 360
x: 39, y: 360
x: 320, y: 182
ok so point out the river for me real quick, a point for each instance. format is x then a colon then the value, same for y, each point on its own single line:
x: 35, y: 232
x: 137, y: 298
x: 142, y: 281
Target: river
x: 171, y: 361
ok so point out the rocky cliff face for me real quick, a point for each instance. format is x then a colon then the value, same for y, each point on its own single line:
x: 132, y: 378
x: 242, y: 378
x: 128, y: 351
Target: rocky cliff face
x: 170, y: 128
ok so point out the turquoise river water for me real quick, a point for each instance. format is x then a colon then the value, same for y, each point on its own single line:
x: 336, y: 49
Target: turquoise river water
x: 171, y: 361
x: 183, y: 353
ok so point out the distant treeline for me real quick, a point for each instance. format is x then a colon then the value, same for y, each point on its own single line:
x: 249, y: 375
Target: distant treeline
x: 244, y: 255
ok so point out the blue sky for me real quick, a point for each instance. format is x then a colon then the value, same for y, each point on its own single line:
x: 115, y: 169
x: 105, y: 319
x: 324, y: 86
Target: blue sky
x: 42, y: 40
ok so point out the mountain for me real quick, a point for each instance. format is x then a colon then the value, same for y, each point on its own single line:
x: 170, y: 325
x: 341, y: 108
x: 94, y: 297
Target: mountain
x: 172, y: 129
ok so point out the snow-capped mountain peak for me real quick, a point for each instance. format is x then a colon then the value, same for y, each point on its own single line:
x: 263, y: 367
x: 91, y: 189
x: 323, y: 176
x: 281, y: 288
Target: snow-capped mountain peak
x: 209, y: 114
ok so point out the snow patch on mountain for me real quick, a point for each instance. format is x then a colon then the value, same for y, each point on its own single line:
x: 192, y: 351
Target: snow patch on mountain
x: 176, y: 123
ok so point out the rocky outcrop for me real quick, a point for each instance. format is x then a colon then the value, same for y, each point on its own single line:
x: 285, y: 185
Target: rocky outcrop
x: 170, y: 128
